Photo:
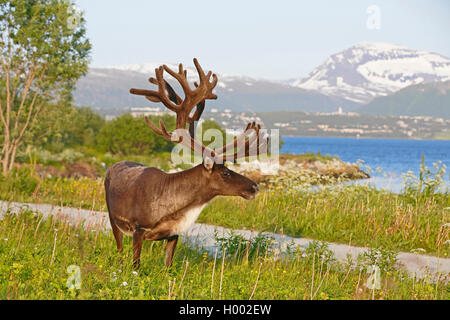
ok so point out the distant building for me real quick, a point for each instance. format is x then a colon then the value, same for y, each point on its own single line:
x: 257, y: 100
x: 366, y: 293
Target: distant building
x: 281, y: 125
x: 234, y: 132
x: 148, y: 111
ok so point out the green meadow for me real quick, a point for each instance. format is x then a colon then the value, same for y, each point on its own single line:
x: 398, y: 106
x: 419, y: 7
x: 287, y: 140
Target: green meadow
x: 49, y: 259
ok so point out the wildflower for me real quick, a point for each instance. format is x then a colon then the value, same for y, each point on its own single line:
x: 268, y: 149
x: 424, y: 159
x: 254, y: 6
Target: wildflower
x: 124, y: 284
x: 324, y: 296
x: 114, y: 277
x: 6, y: 239
x: 135, y: 273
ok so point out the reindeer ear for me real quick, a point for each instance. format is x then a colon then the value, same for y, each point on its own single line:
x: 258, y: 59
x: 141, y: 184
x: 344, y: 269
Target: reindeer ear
x: 208, y: 163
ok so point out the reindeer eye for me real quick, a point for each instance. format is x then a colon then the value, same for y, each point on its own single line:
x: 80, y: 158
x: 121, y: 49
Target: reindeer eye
x: 226, y: 174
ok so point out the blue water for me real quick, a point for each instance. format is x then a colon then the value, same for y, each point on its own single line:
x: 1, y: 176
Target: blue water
x: 393, y: 156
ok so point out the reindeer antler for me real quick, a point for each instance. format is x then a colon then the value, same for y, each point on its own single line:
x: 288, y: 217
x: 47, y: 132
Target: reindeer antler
x: 196, y: 97
x: 256, y: 144
x: 193, y: 97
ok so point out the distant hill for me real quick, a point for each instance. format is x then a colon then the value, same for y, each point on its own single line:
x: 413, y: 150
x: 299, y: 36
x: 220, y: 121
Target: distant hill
x: 108, y: 89
x: 431, y: 99
x: 297, y: 123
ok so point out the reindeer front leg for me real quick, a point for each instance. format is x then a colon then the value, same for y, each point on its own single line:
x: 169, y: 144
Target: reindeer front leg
x: 163, y: 232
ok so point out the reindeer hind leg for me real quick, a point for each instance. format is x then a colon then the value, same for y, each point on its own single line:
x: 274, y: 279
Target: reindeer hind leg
x: 118, y: 235
x: 138, y: 238
x: 170, y: 250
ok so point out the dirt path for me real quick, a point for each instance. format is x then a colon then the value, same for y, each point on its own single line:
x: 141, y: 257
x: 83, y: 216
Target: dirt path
x: 203, y: 236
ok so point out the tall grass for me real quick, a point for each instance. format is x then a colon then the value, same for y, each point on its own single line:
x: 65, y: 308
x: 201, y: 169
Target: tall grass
x: 356, y: 215
x: 37, y: 256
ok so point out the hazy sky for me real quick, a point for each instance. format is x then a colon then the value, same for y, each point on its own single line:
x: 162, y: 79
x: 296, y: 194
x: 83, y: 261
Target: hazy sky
x: 268, y: 39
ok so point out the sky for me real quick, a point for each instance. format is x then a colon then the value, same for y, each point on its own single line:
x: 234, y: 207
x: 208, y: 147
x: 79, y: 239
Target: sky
x: 275, y: 39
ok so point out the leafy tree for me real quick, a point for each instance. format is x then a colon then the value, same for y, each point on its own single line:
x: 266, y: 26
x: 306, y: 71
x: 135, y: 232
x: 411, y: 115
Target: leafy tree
x: 65, y: 126
x: 127, y: 135
x: 43, y: 51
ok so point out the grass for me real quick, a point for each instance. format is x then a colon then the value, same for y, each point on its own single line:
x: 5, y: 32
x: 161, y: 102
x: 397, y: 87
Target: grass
x: 309, y: 156
x: 24, y: 186
x: 411, y: 221
x: 36, y: 257
x: 356, y: 215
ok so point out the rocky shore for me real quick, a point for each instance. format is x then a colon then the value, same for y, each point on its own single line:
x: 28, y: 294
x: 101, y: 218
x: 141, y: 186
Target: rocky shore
x: 294, y: 170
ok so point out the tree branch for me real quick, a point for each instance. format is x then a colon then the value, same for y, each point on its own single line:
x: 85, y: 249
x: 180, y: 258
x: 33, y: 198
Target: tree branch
x: 28, y: 84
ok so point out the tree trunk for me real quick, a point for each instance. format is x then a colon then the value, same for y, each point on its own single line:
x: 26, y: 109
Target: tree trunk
x: 5, y: 158
x: 12, y: 159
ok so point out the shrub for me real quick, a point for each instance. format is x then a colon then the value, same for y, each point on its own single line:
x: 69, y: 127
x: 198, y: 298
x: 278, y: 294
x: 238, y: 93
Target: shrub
x: 127, y: 135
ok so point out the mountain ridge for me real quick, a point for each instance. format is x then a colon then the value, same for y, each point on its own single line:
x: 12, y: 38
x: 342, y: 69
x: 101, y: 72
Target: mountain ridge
x: 429, y: 99
x: 108, y: 89
x: 347, y: 80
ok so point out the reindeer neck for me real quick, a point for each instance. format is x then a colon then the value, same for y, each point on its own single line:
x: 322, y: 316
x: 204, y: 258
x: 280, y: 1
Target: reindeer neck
x: 191, y: 184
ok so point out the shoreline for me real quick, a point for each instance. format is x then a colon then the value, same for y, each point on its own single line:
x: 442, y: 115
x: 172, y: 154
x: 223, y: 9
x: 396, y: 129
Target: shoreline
x: 365, y: 138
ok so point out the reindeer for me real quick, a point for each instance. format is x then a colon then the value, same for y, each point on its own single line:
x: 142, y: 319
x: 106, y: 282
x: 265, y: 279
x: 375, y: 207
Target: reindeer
x: 147, y: 203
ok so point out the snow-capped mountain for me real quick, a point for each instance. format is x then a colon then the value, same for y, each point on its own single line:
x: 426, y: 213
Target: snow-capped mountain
x: 368, y: 70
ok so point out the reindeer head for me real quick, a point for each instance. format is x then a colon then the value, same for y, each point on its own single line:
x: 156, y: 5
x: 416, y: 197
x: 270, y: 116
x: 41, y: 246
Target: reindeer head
x: 225, y: 182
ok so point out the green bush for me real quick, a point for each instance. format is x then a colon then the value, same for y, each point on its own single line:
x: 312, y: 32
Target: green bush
x: 127, y: 135
x: 65, y: 126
